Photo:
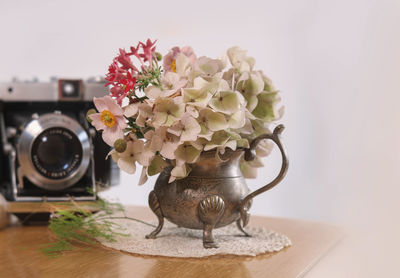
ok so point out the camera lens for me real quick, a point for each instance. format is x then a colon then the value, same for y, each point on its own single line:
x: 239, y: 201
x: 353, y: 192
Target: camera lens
x: 56, y: 153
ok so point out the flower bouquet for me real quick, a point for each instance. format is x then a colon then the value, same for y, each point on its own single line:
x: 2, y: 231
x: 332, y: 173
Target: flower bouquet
x: 159, y: 115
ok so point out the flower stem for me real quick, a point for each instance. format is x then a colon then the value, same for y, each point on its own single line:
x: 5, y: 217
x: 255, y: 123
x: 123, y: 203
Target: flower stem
x: 129, y: 218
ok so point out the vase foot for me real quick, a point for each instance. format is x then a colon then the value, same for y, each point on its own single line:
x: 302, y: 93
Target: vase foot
x: 155, y: 207
x: 209, y: 245
x: 211, y: 210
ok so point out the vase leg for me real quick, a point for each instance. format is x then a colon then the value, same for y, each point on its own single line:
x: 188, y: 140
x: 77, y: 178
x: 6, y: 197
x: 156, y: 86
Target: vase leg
x: 239, y: 225
x: 155, y: 207
x: 244, y: 218
x: 211, y: 210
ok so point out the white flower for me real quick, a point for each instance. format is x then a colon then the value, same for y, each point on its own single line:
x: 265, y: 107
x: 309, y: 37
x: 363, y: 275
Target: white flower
x: 162, y: 141
x: 267, y: 108
x: 221, y: 140
x: 250, y: 84
x: 132, y: 109
x: 210, y: 120
x: 181, y: 170
x: 167, y: 112
x: 188, y: 152
x: 183, y: 65
x: 134, y: 152
x: 145, y: 114
x: 249, y: 168
x: 172, y: 83
x: 237, y: 120
x: 208, y: 67
x: 227, y: 102
x: 239, y: 60
x: 187, y: 129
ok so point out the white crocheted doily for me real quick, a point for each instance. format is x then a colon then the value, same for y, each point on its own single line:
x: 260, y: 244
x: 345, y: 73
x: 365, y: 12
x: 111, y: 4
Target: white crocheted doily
x: 181, y: 242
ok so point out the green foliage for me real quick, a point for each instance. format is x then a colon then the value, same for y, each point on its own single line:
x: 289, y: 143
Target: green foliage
x: 133, y: 127
x: 150, y: 77
x: 77, y: 226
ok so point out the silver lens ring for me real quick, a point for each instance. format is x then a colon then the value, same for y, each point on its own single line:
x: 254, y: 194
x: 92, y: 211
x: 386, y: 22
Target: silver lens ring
x: 54, y: 151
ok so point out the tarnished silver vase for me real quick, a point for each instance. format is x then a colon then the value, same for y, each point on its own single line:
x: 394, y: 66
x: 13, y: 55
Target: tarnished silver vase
x: 214, y: 194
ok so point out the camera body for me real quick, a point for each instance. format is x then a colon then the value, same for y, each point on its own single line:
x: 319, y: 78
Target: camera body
x: 48, y: 150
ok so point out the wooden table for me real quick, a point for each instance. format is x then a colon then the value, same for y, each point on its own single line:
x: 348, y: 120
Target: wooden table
x: 19, y: 256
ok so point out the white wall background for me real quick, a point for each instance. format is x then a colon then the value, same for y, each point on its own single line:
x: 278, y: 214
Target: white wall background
x: 337, y: 64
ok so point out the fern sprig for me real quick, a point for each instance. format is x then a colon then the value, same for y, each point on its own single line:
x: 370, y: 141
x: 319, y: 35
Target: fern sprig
x: 77, y: 226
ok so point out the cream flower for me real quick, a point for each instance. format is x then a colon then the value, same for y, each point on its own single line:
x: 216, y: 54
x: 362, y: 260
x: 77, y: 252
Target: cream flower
x: 167, y: 112
x: 250, y: 83
x: 239, y: 60
x: 181, y: 170
x: 162, y: 141
x: 227, y: 102
x: 183, y: 65
x: 126, y: 161
x: 171, y: 84
x: 249, y: 168
x: 221, y: 140
x: 170, y: 59
x: 188, y: 152
x: 208, y: 67
x: 186, y: 129
x: 196, y: 97
x: 132, y: 109
x: 237, y: 120
x: 210, y: 120
x: 266, y: 108
x: 264, y: 148
x: 143, y: 176
x: 145, y: 115
x: 246, y: 129
x: 192, y: 111
x: 156, y: 165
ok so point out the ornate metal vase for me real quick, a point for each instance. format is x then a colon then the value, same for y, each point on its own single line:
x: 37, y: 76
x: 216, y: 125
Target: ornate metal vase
x: 214, y: 194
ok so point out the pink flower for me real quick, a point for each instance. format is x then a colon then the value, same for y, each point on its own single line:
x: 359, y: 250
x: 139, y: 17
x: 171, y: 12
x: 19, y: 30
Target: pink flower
x: 115, y: 73
x: 135, y: 50
x: 169, y: 62
x: 129, y: 82
x: 124, y: 59
x: 148, y: 50
x: 110, y: 119
x: 118, y: 93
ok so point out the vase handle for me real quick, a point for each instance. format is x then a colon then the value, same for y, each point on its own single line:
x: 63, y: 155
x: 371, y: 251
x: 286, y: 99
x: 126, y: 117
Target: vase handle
x: 250, y: 154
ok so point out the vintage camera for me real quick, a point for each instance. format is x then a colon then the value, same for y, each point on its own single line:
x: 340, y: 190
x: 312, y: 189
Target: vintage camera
x: 49, y: 151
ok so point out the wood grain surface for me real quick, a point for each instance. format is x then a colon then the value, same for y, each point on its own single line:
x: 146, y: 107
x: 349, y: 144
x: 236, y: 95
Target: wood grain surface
x: 37, y: 207
x: 19, y: 255
x: 4, y: 219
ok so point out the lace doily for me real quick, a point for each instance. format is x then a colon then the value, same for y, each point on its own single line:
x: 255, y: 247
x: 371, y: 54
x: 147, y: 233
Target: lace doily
x: 181, y: 242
